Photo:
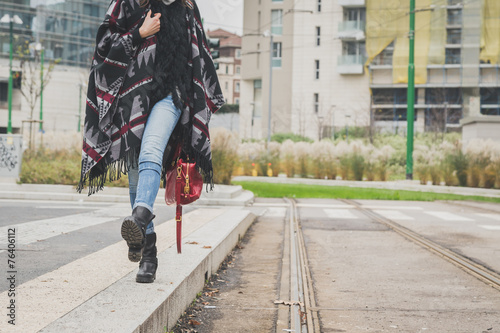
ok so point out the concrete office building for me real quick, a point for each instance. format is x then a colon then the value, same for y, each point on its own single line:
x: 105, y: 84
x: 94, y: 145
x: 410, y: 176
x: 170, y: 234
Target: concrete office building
x: 66, y: 30
x: 344, y: 62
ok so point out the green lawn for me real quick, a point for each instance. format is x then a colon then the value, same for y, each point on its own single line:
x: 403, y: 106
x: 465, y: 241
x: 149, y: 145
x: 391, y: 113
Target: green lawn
x: 268, y: 190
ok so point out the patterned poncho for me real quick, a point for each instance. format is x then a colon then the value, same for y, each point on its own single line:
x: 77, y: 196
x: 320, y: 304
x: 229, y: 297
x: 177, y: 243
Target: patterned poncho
x: 119, y: 97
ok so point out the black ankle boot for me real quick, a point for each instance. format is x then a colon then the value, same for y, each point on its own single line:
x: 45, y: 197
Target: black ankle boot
x: 149, y: 262
x: 134, y: 231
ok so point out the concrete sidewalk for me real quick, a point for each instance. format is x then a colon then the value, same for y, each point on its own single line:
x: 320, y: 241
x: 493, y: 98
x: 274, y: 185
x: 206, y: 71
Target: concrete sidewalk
x: 406, y: 185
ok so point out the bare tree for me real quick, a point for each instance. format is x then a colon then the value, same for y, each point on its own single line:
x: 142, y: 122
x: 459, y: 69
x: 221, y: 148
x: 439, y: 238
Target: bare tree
x: 32, y: 80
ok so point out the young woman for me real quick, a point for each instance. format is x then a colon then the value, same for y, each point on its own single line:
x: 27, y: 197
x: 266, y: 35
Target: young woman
x: 152, y: 87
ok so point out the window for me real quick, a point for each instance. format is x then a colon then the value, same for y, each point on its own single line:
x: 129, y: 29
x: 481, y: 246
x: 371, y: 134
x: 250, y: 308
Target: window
x: 355, y: 14
x: 453, y: 57
x: 318, y: 36
x: 316, y: 75
x: 316, y: 103
x: 237, y: 87
x: 238, y: 53
x: 238, y: 69
x: 227, y: 69
x: 237, y: 101
x: 454, y: 17
x: 227, y: 85
x: 353, y: 48
x: 454, y: 36
x: 3, y: 91
x: 319, y: 6
x: 276, y: 55
x: 277, y: 22
x: 385, y: 57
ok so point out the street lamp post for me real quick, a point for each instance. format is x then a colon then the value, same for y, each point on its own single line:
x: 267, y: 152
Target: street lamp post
x: 40, y: 48
x: 11, y: 20
x: 271, y: 50
x: 347, y: 116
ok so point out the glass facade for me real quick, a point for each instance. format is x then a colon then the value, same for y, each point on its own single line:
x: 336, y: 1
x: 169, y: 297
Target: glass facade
x: 65, y: 28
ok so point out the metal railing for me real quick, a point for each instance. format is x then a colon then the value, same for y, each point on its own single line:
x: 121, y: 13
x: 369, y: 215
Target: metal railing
x: 348, y: 60
x: 351, y: 26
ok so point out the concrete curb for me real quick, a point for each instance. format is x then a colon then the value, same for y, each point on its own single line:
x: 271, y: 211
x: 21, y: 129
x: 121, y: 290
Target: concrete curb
x: 223, y: 195
x: 127, y: 306
x: 389, y: 185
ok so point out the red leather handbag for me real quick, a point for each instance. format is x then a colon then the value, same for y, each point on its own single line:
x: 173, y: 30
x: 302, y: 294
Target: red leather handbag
x: 183, y: 185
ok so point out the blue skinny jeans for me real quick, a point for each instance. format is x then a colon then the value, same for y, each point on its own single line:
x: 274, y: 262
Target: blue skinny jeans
x: 144, y: 180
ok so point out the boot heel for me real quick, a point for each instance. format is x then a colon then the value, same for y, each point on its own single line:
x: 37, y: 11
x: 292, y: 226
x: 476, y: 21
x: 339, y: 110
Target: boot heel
x: 135, y: 239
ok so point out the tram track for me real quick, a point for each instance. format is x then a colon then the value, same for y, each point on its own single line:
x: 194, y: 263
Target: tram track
x: 297, y: 309
x: 482, y: 273
x: 299, y: 313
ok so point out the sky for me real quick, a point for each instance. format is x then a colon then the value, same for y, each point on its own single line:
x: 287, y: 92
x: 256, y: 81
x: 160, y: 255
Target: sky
x: 225, y: 14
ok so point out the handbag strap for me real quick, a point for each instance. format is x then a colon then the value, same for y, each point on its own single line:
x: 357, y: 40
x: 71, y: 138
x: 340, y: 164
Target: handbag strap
x: 178, y: 211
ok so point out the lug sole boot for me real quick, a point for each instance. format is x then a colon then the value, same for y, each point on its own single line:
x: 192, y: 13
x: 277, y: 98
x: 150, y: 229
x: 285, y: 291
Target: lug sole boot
x: 134, y: 231
x: 149, y: 262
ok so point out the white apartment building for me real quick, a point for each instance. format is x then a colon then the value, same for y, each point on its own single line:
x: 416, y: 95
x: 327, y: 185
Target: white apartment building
x: 345, y: 63
x: 319, y: 80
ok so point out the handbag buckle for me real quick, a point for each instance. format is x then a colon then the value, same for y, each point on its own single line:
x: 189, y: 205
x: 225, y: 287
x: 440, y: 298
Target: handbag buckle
x: 186, y: 187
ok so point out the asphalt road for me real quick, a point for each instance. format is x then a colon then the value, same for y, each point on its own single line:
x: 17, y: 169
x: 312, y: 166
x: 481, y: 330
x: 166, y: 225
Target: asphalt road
x: 52, y: 234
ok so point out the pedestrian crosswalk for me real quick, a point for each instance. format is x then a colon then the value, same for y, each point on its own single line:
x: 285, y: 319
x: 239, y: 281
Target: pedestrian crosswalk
x: 68, y: 286
x: 395, y: 213
x: 339, y: 214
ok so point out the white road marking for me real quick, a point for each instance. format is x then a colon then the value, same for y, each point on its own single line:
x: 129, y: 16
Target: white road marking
x: 30, y: 232
x: 335, y: 206
x: 340, y: 214
x: 265, y: 204
x: 491, y: 227
x: 68, y: 207
x: 491, y: 216
x: 275, y: 212
x: 393, y: 214
x: 393, y: 207
x: 449, y: 216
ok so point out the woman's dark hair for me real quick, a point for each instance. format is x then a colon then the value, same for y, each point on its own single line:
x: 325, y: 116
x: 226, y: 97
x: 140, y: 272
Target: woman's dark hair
x: 185, y: 3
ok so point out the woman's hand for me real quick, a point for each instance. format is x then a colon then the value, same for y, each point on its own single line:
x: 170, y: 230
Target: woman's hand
x: 151, y: 25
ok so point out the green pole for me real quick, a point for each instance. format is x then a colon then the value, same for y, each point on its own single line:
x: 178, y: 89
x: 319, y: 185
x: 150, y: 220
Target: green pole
x: 9, y: 123
x: 80, y: 110
x: 41, y: 88
x: 411, y: 95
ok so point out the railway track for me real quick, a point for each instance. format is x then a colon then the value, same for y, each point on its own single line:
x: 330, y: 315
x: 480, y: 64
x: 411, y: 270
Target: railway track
x: 479, y: 271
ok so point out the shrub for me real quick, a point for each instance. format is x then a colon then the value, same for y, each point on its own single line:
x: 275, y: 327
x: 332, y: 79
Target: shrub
x: 479, y: 154
x: 287, y: 157
x: 224, y: 157
x: 282, y: 137
x: 342, y: 151
x: 357, y: 160
x: 322, y: 159
x: 248, y: 153
x: 302, y: 158
x: 51, y: 167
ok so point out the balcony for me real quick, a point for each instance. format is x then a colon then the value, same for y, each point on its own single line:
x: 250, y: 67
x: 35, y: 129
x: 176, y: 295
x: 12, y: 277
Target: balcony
x: 352, y: 3
x: 350, y: 64
x: 352, y: 30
